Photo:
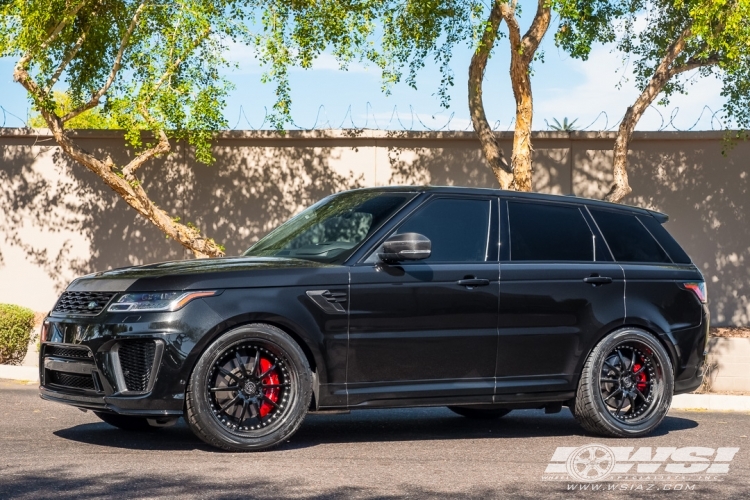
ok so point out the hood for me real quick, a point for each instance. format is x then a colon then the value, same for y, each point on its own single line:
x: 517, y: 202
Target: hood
x: 210, y: 274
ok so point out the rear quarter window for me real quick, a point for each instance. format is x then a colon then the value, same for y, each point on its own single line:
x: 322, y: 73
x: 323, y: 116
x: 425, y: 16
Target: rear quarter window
x: 628, y: 238
x: 666, y: 240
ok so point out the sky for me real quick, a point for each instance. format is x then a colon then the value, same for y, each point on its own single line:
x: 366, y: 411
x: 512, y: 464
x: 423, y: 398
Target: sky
x: 327, y: 97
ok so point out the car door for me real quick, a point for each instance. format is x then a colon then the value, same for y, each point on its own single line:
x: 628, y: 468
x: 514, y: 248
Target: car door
x: 428, y: 329
x: 559, y: 291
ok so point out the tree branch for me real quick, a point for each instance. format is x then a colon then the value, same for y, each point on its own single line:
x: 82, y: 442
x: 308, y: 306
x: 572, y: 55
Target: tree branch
x: 692, y: 64
x: 162, y: 147
x: 514, y: 31
x: 487, y: 138
x: 23, y: 62
x: 537, y: 30
x: 53, y: 80
x: 94, y: 101
x: 176, y: 64
x: 620, y: 186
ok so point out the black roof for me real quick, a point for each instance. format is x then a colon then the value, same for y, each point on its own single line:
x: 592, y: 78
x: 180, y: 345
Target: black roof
x: 661, y: 217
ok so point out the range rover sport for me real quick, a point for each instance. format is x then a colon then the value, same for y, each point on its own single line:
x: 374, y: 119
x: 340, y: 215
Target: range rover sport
x: 481, y: 300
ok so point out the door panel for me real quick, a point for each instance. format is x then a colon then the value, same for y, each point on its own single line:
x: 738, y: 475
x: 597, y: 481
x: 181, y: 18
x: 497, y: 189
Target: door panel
x: 549, y: 317
x: 414, y: 331
x: 559, y: 291
x: 428, y: 329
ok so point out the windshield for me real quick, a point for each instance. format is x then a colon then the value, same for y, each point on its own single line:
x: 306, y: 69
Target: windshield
x: 331, y: 230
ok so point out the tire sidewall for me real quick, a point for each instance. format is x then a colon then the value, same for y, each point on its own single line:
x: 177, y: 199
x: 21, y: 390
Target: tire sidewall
x: 300, y: 378
x: 614, y: 426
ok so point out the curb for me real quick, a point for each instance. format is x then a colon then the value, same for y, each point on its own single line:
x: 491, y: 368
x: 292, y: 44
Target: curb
x: 720, y: 402
x: 28, y: 373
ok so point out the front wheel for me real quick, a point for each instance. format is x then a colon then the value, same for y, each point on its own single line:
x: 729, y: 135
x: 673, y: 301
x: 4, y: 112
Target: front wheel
x: 250, y: 390
x: 626, y: 385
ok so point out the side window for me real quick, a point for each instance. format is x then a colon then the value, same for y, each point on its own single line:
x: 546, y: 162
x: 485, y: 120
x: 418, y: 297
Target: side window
x: 628, y: 239
x: 457, y: 228
x: 540, y: 231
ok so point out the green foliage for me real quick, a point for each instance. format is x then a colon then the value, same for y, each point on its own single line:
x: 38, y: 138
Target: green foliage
x: 717, y: 42
x: 16, y: 327
x: 153, y: 65
x: 295, y: 33
x: 397, y: 36
x: 565, y: 126
x: 91, y: 119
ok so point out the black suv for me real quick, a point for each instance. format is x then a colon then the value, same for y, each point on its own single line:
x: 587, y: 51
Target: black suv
x: 477, y: 299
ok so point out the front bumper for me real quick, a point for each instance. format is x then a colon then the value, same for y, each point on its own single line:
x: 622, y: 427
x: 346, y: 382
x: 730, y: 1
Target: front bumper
x: 126, y: 364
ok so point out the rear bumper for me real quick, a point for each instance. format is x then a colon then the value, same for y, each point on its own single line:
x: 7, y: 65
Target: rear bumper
x: 692, y: 348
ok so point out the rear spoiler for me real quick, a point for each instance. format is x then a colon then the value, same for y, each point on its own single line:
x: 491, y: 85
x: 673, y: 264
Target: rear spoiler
x: 661, y: 217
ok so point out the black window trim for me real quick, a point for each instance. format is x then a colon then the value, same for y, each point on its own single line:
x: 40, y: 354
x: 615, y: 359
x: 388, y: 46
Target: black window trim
x: 601, y: 235
x: 547, y: 203
x: 389, y: 231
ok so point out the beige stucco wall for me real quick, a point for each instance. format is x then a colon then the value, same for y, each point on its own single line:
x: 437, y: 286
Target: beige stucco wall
x: 57, y: 220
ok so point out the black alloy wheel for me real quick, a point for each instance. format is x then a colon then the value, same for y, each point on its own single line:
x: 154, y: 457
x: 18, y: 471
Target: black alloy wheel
x: 250, y: 390
x: 626, y: 386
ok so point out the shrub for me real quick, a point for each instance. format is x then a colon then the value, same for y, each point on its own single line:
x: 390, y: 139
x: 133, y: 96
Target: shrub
x: 16, y: 327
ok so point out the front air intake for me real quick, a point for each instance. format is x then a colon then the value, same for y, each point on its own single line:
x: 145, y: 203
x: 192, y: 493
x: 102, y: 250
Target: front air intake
x: 136, y: 363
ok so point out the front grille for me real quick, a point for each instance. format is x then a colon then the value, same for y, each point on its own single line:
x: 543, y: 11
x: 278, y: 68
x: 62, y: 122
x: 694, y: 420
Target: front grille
x: 83, y: 303
x: 71, y: 380
x: 136, y: 361
x: 67, y: 352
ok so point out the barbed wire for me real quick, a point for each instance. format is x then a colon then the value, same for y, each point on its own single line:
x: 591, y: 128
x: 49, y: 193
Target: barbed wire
x: 416, y: 121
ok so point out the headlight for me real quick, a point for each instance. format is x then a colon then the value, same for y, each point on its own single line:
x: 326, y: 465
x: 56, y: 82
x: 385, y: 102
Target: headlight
x: 162, y: 301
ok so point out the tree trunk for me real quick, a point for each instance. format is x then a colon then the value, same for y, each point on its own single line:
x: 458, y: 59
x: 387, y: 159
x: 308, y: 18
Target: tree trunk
x: 522, y: 51
x: 620, y: 186
x: 126, y: 184
x: 487, y: 138
x: 521, y: 157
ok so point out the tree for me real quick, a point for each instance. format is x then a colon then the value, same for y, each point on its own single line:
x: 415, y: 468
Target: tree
x: 400, y: 35
x: 89, y: 119
x: 148, y: 67
x: 706, y: 37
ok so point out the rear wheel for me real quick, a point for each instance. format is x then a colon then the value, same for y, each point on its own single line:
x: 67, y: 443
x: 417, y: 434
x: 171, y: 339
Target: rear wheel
x: 626, y: 385
x: 250, y: 390
x: 125, y: 422
x: 477, y: 412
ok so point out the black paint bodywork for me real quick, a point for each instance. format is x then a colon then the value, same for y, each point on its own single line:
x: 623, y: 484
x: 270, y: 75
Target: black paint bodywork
x: 409, y: 334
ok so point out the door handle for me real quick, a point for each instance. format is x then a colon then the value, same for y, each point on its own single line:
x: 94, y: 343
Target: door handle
x: 473, y: 282
x: 598, y: 280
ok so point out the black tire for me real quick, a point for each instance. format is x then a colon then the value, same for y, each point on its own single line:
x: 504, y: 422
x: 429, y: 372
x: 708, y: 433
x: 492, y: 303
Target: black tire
x: 626, y: 385
x: 125, y: 422
x: 479, y: 413
x: 241, y: 425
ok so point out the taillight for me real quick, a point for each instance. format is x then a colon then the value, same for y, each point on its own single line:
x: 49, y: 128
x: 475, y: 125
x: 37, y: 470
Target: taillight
x: 699, y: 289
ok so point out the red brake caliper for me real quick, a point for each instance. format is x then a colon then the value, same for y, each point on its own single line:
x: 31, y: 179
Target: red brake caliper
x: 642, y: 382
x: 272, y: 393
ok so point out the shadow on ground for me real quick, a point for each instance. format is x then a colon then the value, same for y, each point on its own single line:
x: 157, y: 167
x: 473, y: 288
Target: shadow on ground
x: 365, y: 426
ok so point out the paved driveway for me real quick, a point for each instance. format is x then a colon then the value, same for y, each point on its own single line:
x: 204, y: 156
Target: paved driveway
x: 49, y: 450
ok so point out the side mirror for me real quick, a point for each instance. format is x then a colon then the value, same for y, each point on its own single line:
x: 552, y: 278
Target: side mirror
x: 407, y: 246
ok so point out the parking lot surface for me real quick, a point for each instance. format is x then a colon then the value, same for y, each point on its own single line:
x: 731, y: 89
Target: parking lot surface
x: 49, y: 450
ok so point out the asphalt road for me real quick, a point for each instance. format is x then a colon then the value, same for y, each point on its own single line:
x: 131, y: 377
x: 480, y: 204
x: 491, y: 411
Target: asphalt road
x: 49, y: 450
